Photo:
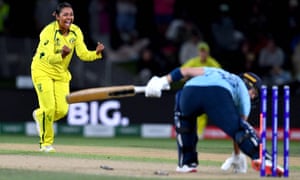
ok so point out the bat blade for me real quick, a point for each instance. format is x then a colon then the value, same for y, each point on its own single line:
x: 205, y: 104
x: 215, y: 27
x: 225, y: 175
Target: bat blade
x: 103, y: 93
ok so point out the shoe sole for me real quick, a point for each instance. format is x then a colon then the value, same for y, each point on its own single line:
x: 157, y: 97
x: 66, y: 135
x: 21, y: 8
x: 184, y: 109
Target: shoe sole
x: 191, y: 170
x: 47, y: 151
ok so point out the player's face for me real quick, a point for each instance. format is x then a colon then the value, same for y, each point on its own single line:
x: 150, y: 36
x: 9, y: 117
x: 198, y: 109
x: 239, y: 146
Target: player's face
x: 203, y: 54
x: 65, y: 18
x: 253, y: 93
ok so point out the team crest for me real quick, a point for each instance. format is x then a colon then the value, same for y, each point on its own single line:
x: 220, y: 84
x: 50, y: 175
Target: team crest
x: 72, y: 40
x: 46, y: 42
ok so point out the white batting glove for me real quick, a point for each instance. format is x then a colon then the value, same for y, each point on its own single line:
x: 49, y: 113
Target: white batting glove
x: 238, y: 163
x: 156, y: 85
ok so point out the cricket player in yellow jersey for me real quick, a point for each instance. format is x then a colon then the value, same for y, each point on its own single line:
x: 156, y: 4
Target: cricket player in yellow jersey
x: 203, y: 59
x: 49, y: 70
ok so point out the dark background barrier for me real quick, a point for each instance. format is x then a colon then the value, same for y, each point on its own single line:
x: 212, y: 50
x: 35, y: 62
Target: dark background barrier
x: 17, y: 106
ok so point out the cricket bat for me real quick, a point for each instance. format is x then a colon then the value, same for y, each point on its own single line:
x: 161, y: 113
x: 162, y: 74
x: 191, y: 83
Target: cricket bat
x: 102, y: 93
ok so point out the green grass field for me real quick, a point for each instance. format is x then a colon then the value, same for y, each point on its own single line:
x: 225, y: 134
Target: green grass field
x: 211, y: 146
x: 204, y: 146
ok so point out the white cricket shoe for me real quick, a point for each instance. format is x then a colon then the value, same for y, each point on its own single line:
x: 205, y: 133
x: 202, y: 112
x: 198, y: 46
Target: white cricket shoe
x: 238, y: 163
x: 186, y: 169
x: 47, y: 149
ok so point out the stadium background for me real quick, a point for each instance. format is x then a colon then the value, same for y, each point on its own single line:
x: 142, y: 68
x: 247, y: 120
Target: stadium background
x: 19, y: 40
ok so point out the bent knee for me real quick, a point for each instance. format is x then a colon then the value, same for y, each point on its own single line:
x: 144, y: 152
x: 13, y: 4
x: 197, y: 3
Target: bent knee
x: 60, y: 113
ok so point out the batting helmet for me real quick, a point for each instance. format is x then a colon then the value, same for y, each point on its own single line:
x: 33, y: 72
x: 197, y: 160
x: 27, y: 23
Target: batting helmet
x: 251, y: 80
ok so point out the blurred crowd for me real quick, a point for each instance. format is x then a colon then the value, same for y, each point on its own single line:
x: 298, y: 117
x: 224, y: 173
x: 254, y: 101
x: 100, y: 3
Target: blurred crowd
x: 262, y: 36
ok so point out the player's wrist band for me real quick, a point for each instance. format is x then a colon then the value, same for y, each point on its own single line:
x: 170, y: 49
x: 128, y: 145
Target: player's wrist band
x: 176, y: 74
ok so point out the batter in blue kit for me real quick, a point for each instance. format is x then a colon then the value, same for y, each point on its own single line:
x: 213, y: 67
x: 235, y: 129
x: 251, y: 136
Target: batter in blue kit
x: 225, y: 98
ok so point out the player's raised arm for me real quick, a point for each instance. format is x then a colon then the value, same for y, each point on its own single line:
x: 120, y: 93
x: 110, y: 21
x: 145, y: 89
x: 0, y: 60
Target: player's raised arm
x: 157, y: 84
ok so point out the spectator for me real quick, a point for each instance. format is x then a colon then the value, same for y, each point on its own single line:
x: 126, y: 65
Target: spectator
x: 126, y: 11
x: 293, y: 23
x: 43, y: 13
x: 255, y: 27
x: 203, y: 59
x: 4, y: 12
x: 279, y: 76
x: 257, y: 20
x: 149, y: 64
x: 293, y: 16
x: 226, y: 37
x: 188, y: 48
x: 163, y: 14
x: 271, y: 61
x: 270, y: 55
x: 296, y: 62
x: 128, y: 51
x: 173, y: 31
x: 248, y: 57
x: 99, y: 21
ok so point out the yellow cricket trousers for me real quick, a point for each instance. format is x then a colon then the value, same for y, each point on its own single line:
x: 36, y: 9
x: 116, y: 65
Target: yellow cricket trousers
x: 52, y: 103
x: 201, y: 125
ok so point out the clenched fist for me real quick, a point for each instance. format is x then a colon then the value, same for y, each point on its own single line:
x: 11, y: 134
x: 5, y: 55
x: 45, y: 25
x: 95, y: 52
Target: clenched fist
x: 65, y: 51
x: 99, y: 48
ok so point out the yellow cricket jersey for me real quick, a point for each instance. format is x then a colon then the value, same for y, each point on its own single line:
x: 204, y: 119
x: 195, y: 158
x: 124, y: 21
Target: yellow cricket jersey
x: 48, y: 57
x: 196, y: 62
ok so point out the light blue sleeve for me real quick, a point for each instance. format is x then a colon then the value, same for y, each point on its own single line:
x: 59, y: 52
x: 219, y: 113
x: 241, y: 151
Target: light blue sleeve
x: 243, y: 100
x: 233, y: 83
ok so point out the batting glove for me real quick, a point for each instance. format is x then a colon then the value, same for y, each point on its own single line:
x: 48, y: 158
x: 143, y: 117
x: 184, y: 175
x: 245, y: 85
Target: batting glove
x: 156, y: 85
x: 238, y: 163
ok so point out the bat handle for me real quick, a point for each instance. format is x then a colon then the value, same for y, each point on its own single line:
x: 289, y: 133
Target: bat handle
x: 142, y: 89
x: 139, y: 89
